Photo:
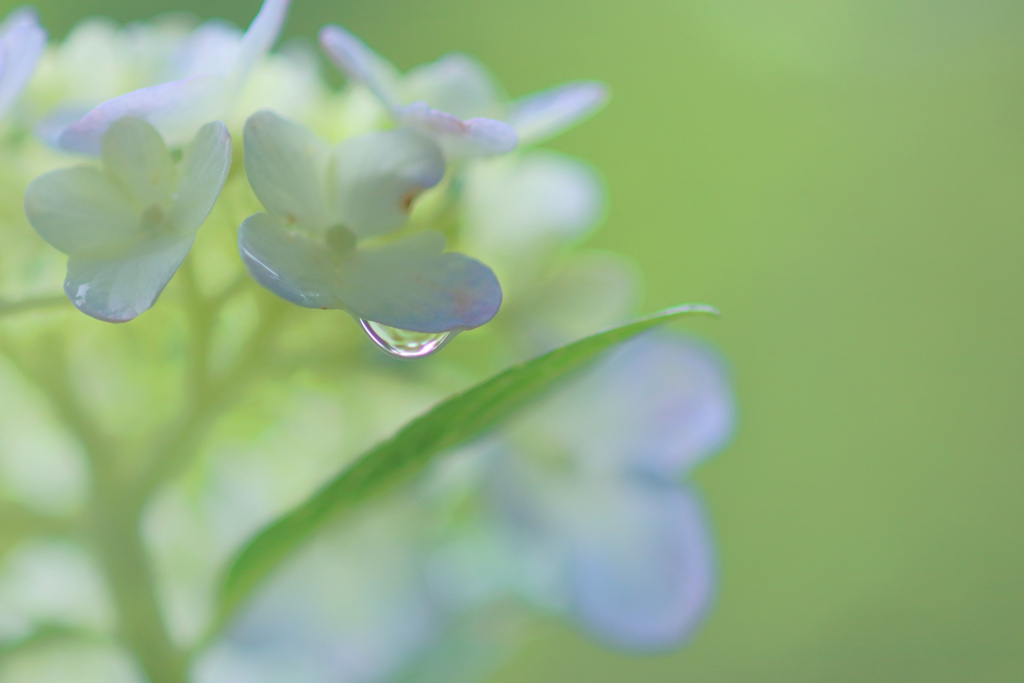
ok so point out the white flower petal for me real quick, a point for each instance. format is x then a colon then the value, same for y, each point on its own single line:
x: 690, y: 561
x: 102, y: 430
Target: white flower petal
x: 360, y: 63
x: 377, y: 176
x: 204, y: 168
x: 641, y: 566
x: 514, y: 204
x: 22, y: 41
x: 119, y: 287
x: 287, y: 262
x: 136, y: 158
x: 81, y: 210
x: 459, y: 139
x: 176, y: 109
x: 545, y: 114
x: 211, y: 49
x: 412, y: 285
x: 457, y: 83
x: 258, y: 39
x: 287, y: 168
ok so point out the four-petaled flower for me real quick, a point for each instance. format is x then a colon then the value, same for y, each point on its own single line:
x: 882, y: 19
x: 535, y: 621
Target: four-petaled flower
x: 322, y: 203
x: 126, y: 227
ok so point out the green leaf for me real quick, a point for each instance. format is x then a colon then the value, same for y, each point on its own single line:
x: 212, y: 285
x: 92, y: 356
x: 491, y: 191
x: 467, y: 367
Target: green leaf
x: 453, y: 422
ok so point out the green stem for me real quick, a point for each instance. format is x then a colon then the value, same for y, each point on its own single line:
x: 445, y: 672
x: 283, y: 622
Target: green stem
x: 12, y: 307
x: 181, y: 444
x: 124, y: 560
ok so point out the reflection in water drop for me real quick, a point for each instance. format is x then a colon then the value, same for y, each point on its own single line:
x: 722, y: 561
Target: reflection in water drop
x: 405, y: 343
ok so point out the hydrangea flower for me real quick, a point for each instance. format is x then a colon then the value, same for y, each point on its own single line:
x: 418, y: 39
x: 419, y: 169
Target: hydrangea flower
x: 586, y: 492
x: 459, y: 135
x: 513, y: 207
x: 126, y: 227
x: 21, y: 44
x: 456, y: 90
x: 206, y: 72
x: 322, y: 206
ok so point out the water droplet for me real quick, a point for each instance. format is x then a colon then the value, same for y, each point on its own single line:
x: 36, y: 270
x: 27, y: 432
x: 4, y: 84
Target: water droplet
x: 405, y: 343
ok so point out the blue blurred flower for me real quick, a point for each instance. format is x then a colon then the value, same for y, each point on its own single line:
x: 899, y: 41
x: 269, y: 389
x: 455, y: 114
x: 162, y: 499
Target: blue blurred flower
x: 351, y: 608
x: 588, y: 513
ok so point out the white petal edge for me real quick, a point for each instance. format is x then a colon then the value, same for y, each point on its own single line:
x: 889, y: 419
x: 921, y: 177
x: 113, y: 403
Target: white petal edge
x: 478, y: 137
x: 543, y: 115
x: 204, y: 168
x: 375, y: 178
x: 121, y: 287
x: 263, y: 32
x: 22, y: 41
x: 176, y: 109
x: 287, y: 167
x: 456, y: 83
x: 538, y: 198
x: 360, y: 63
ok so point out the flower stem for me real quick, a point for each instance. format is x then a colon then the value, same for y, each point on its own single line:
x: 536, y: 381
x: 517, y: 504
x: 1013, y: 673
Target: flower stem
x: 12, y: 307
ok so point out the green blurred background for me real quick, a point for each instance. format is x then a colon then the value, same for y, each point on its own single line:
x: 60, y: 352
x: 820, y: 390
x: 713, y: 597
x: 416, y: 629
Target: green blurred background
x: 845, y: 180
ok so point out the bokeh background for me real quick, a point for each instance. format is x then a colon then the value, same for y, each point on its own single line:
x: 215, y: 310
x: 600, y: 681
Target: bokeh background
x: 845, y: 180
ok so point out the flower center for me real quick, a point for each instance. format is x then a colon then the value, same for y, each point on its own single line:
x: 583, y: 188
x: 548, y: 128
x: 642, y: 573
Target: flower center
x: 152, y: 219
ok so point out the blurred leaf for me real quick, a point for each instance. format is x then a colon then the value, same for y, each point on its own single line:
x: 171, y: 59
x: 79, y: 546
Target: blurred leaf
x: 451, y: 423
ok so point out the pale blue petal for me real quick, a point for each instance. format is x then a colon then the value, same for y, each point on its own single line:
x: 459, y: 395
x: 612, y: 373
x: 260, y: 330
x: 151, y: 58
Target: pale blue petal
x: 287, y: 167
x: 413, y: 286
x: 22, y: 41
x: 176, y: 109
x: 377, y: 176
x: 540, y: 198
x: 658, y: 404
x: 360, y: 63
x: 258, y: 39
x: 52, y: 125
x: 545, y: 114
x: 457, y: 83
x: 459, y: 139
x: 641, y: 569
x: 119, y: 287
x: 81, y: 210
x: 351, y: 606
x: 204, y: 168
x: 135, y: 157
x: 288, y: 262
